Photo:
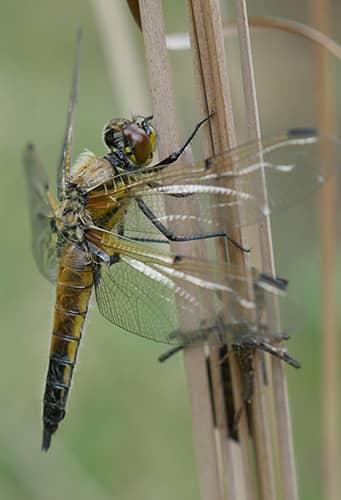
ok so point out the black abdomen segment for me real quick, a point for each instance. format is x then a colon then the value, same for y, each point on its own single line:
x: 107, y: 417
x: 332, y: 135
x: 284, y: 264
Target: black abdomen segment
x: 74, y: 287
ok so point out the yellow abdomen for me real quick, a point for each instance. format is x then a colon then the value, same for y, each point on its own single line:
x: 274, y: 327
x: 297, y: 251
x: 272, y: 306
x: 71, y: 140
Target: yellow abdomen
x: 74, y: 287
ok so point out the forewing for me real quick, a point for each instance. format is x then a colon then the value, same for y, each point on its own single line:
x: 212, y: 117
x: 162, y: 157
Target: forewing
x: 293, y: 168
x: 44, y: 239
x: 64, y: 165
x: 145, y: 291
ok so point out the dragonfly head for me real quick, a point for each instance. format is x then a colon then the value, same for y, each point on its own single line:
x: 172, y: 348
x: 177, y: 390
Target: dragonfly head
x: 135, y: 138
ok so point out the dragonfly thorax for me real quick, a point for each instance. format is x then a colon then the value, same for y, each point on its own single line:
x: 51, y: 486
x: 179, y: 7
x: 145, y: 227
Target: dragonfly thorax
x: 72, y: 219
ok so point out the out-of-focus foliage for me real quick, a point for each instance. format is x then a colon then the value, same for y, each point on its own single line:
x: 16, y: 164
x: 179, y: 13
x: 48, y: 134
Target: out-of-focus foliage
x: 127, y: 433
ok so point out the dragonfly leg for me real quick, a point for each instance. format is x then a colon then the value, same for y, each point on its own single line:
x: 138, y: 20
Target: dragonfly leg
x: 168, y: 354
x: 175, y: 155
x: 172, y: 237
x: 149, y: 240
x: 280, y: 283
x: 278, y: 353
x: 274, y: 351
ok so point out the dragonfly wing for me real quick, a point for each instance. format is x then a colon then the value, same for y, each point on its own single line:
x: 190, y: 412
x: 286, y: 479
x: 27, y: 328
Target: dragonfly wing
x: 64, y: 165
x: 44, y: 239
x: 145, y: 291
x: 293, y: 168
x: 137, y: 225
x: 132, y: 300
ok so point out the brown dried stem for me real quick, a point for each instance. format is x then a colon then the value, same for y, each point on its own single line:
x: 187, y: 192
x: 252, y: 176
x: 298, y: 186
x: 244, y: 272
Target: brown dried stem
x: 283, y: 420
x: 260, y: 417
x: 213, y: 86
x: 215, y: 95
x: 325, y: 114
x: 195, y: 359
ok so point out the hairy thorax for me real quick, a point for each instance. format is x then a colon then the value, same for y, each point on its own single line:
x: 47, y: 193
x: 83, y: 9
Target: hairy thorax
x: 72, y: 219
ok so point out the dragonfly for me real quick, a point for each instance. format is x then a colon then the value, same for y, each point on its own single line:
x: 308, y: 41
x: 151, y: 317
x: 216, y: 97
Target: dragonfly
x: 107, y: 232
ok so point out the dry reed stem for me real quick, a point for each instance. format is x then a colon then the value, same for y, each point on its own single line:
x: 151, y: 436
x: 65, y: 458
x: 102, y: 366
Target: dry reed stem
x: 325, y: 114
x: 261, y: 420
x: 213, y: 84
x: 208, y: 53
x: 195, y: 360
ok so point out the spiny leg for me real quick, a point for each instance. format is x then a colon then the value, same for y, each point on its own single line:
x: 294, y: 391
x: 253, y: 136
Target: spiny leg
x: 168, y: 354
x: 278, y: 353
x: 172, y: 158
x: 172, y: 237
x: 175, y: 155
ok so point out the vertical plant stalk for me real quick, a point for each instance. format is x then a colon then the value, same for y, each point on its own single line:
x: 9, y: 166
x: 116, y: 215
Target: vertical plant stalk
x: 195, y: 359
x: 325, y: 105
x: 261, y: 418
x: 214, y: 91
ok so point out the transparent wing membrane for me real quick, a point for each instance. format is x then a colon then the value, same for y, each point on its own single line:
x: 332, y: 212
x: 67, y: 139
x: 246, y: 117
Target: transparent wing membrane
x: 44, y: 239
x: 230, y: 182
x: 145, y: 291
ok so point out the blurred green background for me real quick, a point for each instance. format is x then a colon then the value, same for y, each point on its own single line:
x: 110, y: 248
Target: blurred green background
x: 127, y: 434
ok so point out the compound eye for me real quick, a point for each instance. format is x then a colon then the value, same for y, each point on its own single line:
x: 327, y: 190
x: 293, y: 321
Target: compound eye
x: 139, y: 145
